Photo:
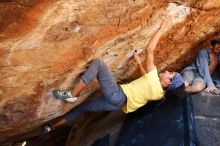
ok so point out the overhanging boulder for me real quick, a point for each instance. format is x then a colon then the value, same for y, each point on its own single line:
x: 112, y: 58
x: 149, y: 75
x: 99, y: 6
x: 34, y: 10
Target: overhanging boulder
x: 46, y: 45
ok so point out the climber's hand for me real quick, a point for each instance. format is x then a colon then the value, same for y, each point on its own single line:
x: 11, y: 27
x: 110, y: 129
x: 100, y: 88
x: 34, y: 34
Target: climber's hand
x: 165, y: 23
x: 210, y: 88
x: 136, y: 57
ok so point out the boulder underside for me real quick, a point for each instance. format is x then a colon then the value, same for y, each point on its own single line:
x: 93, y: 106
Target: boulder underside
x: 48, y: 44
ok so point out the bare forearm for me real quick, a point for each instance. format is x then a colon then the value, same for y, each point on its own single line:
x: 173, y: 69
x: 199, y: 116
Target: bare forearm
x: 153, y: 41
x: 143, y: 71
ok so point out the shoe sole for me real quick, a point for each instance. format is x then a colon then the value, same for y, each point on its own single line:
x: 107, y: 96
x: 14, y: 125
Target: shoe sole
x: 71, y: 100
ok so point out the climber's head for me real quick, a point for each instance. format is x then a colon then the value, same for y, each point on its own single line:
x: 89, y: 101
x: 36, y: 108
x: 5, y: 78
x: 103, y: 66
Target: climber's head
x: 216, y: 45
x: 170, y: 80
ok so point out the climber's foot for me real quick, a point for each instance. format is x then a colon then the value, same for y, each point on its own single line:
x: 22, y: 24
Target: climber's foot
x: 65, y: 95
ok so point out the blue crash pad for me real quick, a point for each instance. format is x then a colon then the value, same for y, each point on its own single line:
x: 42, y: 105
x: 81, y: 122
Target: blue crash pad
x: 156, y: 124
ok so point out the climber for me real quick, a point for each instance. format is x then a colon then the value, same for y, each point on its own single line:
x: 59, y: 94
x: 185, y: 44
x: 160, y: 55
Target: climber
x: 204, y: 72
x: 128, y: 97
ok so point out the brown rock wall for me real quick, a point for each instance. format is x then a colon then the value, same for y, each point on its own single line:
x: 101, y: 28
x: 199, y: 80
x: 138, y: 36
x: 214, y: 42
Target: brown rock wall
x: 46, y: 45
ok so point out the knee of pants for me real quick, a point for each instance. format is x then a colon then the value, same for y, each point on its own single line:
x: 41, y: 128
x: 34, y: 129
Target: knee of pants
x: 198, y: 87
x: 188, y: 76
x: 99, y: 62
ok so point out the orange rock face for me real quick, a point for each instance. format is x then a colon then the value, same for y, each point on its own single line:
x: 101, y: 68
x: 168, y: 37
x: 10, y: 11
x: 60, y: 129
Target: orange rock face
x: 46, y: 45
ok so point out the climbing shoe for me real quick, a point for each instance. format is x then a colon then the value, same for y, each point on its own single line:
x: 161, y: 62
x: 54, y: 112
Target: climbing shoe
x: 46, y: 129
x: 65, y: 95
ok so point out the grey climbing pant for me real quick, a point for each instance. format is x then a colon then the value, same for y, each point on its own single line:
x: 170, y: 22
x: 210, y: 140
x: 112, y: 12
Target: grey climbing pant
x: 112, y: 98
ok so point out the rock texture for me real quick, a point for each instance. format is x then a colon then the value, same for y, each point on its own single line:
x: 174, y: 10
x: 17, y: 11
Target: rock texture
x: 47, y: 44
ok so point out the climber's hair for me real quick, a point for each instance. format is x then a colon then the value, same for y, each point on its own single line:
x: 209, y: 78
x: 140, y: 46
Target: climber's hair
x: 215, y: 41
x: 176, y: 93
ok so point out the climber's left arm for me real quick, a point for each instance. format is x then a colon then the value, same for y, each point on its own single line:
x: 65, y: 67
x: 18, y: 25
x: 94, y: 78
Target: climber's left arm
x: 153, y: 43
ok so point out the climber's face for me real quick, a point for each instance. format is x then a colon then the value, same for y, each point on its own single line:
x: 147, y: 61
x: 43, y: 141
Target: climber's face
x: 167, y: 75
x: 217, y: 48
x: 165, y: 78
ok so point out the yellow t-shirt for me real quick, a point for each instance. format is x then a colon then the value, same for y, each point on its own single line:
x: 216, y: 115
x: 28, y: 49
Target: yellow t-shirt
x: 142, y: 90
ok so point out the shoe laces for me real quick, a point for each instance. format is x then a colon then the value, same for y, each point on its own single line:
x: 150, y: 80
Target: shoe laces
x: 65, y: 93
